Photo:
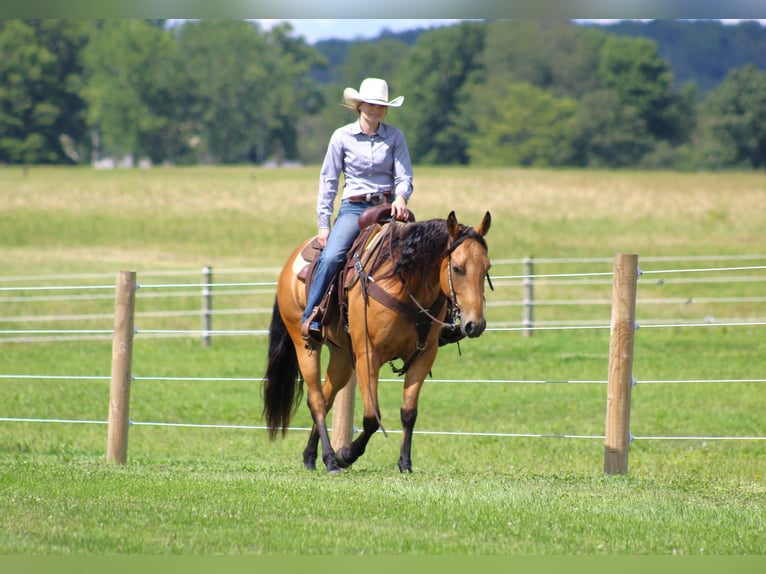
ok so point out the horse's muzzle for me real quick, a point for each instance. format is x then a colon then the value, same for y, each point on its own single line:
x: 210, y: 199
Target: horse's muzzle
x: 474, y: 328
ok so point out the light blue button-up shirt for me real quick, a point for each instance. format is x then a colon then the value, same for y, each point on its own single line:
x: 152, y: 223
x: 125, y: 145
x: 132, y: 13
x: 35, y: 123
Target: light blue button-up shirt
x: 380, y: 162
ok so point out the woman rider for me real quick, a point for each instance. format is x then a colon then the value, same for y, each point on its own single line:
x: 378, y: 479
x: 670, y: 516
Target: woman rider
x: 376, y: 167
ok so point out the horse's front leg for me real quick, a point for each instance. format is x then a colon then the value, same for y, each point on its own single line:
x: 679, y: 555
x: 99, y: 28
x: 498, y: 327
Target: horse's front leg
x: 413, y: 382
x: 409, y: 416
x: 349, y: 454
x: 367, y: 377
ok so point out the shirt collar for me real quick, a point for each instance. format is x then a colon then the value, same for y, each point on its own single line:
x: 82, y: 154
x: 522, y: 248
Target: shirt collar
x: 357, y: 128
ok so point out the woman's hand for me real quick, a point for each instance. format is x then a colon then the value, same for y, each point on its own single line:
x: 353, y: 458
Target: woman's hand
x: 322, y: 236
x: 399, y: 208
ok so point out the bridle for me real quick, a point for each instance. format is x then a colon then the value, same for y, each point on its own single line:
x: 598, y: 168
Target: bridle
x: 453, y: 318
x: 370, y: 288
x: 467, y: 233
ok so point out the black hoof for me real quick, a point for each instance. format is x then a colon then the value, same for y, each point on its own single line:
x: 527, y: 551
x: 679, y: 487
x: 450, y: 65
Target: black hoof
x: 340, y: 458
x: 310, y: 462
x: 405, y: 466
x: 331, y: 465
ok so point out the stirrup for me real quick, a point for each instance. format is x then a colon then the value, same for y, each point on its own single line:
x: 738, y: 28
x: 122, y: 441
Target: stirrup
x: 313, y: 337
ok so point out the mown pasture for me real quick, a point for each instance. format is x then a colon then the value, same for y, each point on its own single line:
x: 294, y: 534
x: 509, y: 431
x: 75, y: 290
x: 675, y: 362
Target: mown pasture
x: 480, y: 486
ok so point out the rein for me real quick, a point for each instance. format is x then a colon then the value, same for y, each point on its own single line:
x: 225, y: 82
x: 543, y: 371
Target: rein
x: 468, y: 233
x: 423, y: 317
x: 364, y: 278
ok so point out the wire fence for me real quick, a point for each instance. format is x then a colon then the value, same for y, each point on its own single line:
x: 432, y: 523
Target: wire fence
x: 226, y: 291
x: 193, y: 300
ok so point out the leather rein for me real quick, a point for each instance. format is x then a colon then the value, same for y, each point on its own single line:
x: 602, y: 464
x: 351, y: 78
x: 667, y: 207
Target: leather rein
x: 419, y: 315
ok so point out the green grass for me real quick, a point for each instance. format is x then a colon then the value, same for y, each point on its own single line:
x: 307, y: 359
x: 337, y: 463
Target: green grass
x: 237, y: 507
x: 228, y: 490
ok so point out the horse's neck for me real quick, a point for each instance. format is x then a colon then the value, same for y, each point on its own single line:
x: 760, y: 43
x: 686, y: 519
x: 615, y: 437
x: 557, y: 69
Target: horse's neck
x: 426, y: 288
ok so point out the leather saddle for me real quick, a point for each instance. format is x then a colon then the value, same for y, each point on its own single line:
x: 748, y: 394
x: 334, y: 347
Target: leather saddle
x: 372, y: 222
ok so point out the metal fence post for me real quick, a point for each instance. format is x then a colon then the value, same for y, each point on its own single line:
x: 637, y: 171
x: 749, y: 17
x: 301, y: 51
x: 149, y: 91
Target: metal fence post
x: 529, y: 296
x: 207, y: 304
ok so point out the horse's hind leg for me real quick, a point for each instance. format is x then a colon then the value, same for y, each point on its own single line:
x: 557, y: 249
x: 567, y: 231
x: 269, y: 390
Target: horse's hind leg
x: 311, y: 450
x: 319, y: 431
x: 339, y: 371
x: 319, y: 434
x: 310, y: 365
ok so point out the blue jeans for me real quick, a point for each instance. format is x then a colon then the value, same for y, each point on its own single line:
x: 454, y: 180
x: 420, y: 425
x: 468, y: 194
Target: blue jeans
x: 341, y: 238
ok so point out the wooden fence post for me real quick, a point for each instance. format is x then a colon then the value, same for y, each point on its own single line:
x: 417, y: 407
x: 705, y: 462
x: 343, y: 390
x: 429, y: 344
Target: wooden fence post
x: 343, y: 415
x: 207, y: 305
x: 122, y: 358
x: 620, y: 381
x: 529, y: 296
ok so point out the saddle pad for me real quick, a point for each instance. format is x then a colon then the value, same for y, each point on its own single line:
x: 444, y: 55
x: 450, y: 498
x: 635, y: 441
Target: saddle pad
x: 307, y: 256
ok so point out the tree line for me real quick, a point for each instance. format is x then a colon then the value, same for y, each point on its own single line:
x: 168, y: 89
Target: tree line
x: 494, y: 93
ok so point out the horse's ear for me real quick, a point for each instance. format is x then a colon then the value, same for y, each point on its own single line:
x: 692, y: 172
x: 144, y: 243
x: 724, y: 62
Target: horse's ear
x: 483, y: 228
x: 452, y: 225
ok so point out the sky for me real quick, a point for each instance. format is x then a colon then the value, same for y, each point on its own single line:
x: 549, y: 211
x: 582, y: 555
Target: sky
x: 315, y: 30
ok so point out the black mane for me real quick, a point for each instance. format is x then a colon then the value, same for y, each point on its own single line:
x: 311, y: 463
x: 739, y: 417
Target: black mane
x: 417, y: 247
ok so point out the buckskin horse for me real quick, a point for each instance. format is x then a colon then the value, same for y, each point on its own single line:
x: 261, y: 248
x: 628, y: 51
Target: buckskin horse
x: 404, y: 286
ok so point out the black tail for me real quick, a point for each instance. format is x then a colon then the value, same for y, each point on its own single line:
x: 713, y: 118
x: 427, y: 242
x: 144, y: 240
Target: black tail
x: 281, y: 388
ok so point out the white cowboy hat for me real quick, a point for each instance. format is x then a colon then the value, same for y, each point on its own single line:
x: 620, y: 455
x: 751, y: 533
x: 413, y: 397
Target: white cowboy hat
x: 372, y: 91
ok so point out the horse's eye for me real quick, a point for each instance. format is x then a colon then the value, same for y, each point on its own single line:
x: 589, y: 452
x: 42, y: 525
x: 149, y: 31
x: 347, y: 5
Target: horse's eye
x: 457, y: 270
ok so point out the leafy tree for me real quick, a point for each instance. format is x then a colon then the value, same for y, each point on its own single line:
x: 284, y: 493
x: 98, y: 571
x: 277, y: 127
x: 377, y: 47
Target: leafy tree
x: 222, y: 62
x: 42, y: 117
x: 700, y: 51
x: 225, y: 91
x: 632, y: 69
x: 434, y: 78
x: 132, y: 88
x: 733, y: 120
x: 522, y: 125
x: 315, y: 129
x: 611, y: 134
x: 333, y: 54
x: 379, y: 59
x: 290, y: 93
x: 557, y: 56
x: 247, y: 89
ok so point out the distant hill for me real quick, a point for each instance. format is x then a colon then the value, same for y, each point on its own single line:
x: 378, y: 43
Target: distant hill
x: 700, y: 51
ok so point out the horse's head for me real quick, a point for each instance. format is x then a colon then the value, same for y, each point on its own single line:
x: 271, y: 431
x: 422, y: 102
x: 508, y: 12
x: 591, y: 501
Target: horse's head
x: 463, y: 272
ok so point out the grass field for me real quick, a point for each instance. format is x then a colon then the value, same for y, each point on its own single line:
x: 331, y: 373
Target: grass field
x: 480, y: 487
